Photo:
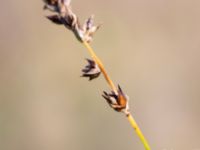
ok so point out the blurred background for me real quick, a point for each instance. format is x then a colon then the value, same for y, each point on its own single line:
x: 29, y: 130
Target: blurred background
x: 151, y: 48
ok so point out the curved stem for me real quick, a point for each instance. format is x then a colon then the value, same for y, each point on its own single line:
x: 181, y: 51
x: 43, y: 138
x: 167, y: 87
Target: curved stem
x: 138, y: 131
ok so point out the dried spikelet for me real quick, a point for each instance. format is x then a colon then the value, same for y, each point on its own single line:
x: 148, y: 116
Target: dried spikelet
x: 91, y: 71
x: 118, y: 101
x: 65, y: 16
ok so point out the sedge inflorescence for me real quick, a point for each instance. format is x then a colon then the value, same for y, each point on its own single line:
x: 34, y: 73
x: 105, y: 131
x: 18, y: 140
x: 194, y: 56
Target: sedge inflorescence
x: 117, y: 99
x: 63, y: 15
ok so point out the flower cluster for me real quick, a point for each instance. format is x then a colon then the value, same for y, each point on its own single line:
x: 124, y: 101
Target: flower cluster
x: 117, y: 100
x: 64, y: 16
x: 91, y: 71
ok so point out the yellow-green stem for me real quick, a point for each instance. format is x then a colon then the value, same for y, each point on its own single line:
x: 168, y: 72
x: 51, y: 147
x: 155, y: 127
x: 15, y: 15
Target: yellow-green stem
x: 100, y: 64
x: 111, y: 84
x: 138, y: 131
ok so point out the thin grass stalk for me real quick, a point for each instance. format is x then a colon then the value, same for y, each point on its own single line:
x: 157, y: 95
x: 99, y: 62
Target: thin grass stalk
x: 101, y: 66
x: 138, y: 131
x: 112, y: 86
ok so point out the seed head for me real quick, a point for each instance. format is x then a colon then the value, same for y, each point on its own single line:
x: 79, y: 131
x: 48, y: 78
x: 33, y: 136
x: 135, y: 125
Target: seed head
x: 91, y: 70
x: 118, y: 101
x: 65, y: 16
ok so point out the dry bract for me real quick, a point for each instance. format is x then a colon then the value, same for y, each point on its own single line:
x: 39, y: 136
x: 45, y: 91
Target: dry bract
x: 65, y: 16
x: 91, y: 71
x: 118, y: 101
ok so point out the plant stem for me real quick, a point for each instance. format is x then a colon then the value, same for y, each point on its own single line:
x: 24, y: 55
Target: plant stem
x: 138, y: 131
x: 100, y: 64
x: 112, y: 86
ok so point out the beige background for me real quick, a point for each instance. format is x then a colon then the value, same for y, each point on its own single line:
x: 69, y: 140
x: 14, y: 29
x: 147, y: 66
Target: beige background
x: 151, y: 48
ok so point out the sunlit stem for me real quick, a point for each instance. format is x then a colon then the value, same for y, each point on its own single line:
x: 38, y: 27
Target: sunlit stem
x: 101, y: 66
x: 138, y: 131
x: 112, y: 86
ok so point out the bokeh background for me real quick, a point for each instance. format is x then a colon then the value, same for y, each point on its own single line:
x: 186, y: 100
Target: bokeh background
x: 151, y: 48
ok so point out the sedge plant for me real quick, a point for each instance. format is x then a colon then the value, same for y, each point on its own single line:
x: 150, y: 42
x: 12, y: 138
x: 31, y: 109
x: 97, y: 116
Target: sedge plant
x: 117, y: 99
